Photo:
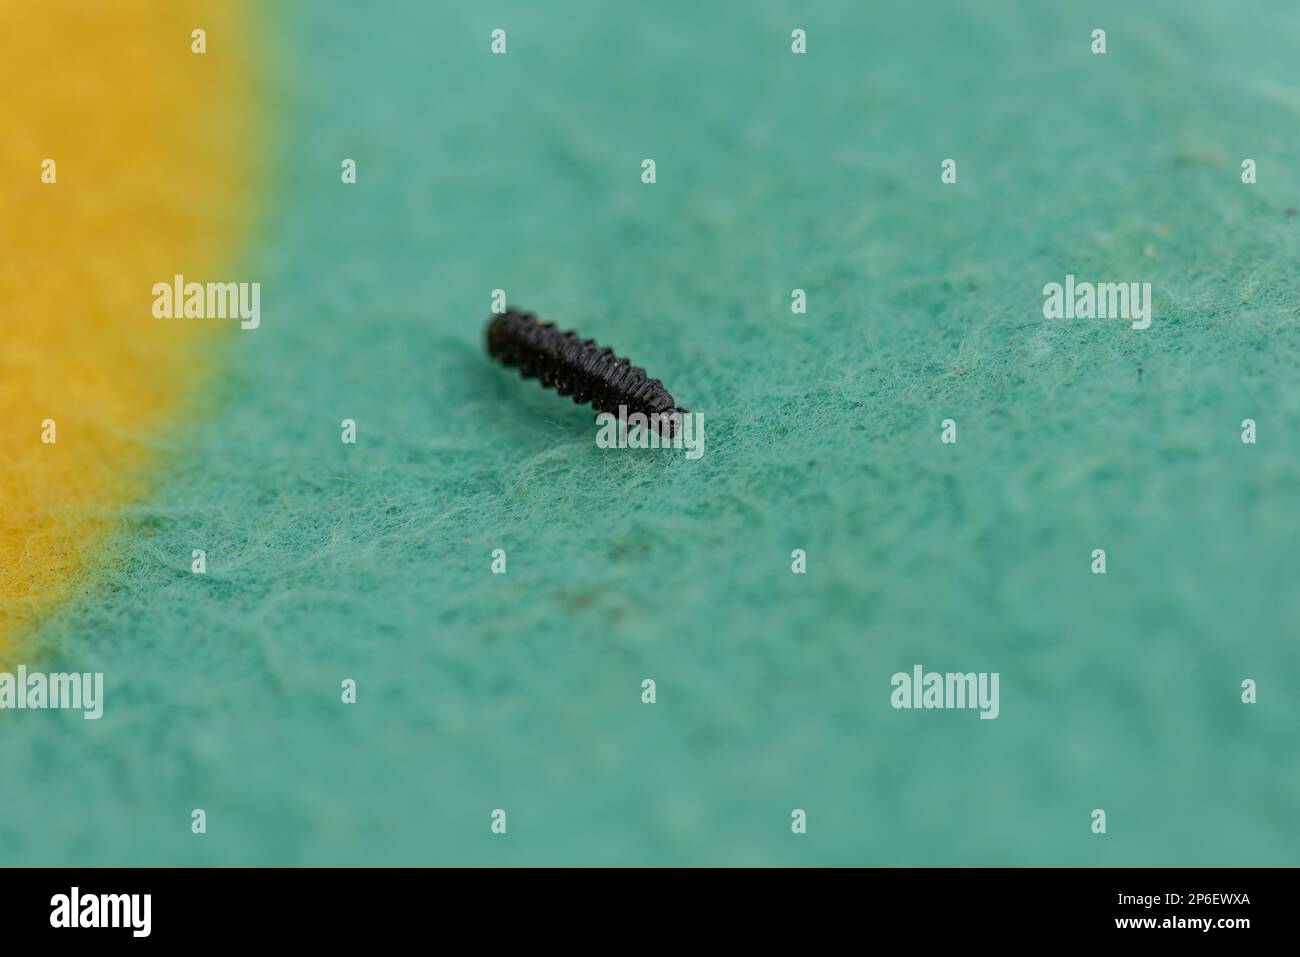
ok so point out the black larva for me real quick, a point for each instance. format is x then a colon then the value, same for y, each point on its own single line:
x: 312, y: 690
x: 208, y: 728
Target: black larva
x: 579, y: 367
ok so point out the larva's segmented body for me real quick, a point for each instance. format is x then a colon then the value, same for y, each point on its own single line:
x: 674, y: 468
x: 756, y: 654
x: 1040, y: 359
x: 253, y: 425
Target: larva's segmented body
x: 578, y: 367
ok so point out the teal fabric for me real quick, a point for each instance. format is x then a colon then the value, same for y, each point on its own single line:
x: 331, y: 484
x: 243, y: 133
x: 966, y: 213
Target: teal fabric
x: 774, y: 172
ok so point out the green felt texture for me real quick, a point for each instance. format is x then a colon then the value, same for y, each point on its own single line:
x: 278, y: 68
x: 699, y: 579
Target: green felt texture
x: 775, y: 171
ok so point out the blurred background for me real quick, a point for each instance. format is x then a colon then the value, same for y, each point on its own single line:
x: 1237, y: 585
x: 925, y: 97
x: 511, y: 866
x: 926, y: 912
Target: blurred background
x: 522, y: 691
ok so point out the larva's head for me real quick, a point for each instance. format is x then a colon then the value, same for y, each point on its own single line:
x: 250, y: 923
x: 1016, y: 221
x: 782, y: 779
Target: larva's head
x: 505, y: 334
x: 667, y: 423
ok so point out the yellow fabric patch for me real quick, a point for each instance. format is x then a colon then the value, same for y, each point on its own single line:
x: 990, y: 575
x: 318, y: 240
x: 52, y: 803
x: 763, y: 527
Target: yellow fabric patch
x: 152, y: 147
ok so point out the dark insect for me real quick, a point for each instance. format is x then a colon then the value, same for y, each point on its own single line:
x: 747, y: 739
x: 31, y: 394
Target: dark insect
x: 580, y: 368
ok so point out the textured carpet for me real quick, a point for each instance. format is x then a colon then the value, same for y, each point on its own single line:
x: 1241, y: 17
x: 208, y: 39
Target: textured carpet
x: 774, y: 171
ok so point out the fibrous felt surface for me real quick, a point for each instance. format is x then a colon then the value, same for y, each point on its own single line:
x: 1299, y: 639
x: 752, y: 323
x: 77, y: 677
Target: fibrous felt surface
x: 775, y: 171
